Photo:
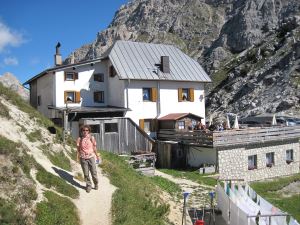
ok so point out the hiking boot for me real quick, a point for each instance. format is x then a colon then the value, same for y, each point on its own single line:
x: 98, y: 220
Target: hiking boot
x: 88, y: 189
x: 96, y: 186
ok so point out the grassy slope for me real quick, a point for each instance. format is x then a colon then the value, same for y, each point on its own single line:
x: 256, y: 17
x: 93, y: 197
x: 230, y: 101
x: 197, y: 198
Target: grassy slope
x: 53, y: 211
x: 269, y: 191
x: 136, y: 200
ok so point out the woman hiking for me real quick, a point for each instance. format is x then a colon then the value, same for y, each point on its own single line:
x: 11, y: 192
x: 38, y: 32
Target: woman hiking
x: 86, y: 154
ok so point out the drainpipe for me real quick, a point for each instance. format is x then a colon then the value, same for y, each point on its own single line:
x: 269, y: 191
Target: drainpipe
x: 158, y: 110
x: 127, y: 99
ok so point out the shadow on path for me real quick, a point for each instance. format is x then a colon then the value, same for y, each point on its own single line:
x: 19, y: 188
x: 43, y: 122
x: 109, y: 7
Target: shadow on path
x: 68, y: 177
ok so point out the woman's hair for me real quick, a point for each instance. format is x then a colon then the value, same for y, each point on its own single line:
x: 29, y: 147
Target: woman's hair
x: 85, y: 127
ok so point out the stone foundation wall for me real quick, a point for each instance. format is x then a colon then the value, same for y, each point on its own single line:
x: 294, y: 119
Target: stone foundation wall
x: 233, y: 163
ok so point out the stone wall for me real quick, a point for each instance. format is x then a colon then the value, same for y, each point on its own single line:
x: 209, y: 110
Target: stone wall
x: 233, y: 162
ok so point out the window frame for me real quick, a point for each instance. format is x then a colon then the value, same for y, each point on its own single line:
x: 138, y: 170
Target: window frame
x: 180, y: 125
x: 39, y: 100
x: 290, y: 158
x: 73, y: 98
x: 106, y: 129
x: 100, y: 98
x: 99, y: 77
x: 148, y: 93
x: 254, y: 166
x: 270, y: 159
x: 73, y: 74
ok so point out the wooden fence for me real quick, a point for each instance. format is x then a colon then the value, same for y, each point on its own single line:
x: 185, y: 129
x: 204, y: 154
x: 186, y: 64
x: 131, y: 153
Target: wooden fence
x: 231, y: 137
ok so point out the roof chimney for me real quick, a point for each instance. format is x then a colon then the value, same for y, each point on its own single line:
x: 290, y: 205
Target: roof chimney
x: 165, y: 64
x: 57, y: 56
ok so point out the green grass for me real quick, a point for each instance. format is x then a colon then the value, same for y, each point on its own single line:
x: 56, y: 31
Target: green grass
x: 4, y: 112
x: 35, y: 136
x: 58, y: 159
x: 193, y: 175
x: 9, y: 214
x: 136, y: 200
x: 24, y: 106
x: 269, y: 191
x: 57, y: 210
x: 58, y: 183
x: 18, y: 155
x: 172, y: 188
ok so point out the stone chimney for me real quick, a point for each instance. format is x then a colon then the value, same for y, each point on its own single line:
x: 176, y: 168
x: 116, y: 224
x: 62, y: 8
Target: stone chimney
x: 57, y: 56
x: 165, y: 64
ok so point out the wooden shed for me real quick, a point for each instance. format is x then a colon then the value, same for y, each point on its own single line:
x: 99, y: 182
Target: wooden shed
x: 118, y: 135
x: 179, y: 121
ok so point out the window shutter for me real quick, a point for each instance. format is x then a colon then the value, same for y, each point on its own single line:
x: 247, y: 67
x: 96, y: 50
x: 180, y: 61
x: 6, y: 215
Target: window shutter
x: 153, y: 125
x: 65, y: 97
x: 141, y: 122
x: 75, y: 76
x: 180, y: 94
x: 77, y: 97
x: 65, y: 76
x: 153, y: 94
x: 191, y: 94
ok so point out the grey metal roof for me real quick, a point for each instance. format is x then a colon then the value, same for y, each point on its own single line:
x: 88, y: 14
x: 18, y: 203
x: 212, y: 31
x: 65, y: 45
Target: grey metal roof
x: 136, y: 60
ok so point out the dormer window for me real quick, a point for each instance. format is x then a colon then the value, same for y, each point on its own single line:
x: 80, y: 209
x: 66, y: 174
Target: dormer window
x: 71, y: 76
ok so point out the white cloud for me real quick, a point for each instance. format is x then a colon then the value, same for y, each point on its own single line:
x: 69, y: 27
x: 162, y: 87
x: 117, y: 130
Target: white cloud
x: 11, y: 61
x: 34, y: 61
x: 9, y: 37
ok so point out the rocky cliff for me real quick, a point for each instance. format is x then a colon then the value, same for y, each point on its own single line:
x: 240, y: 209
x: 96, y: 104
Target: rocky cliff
x: 10, y: 81
x: 248, y: 47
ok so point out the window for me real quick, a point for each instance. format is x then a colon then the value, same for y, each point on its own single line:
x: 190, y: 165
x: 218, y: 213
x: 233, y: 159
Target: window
x: 147, y: 125
x: 99, y: 77
x: 95, y: 129
x: 112, y: 72
x: 270, y: 159
x: 181, y: 125
x: 149, y: 94
x: 289, y: 156
x: 252, y: 162
x: 186, y: 94
x: 72, y: 97
x: 99, y: 96
x: 146, y: 94
x: 111, y: 127
x: 39, y: 98
x: 69, y: 76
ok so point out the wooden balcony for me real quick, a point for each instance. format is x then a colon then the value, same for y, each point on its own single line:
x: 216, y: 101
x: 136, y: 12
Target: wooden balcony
x: 231, y: 137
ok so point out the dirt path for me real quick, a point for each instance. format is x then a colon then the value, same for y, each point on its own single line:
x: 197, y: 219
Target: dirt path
x: 94, y: 207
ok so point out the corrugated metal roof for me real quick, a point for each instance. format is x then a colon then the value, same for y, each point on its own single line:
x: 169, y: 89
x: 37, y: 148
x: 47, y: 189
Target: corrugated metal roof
x: 136, y: 60
x: 177, y: 116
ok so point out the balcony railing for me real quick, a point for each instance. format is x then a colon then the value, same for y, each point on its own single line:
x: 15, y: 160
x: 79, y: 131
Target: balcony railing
x: 231, y: 137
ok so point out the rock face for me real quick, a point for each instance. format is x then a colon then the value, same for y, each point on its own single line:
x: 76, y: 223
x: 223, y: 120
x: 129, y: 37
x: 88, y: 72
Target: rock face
x: 10, y: 81
x: 250, y: 48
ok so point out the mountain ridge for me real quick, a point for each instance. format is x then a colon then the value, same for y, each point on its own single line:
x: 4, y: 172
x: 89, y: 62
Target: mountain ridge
x: 215, y: 32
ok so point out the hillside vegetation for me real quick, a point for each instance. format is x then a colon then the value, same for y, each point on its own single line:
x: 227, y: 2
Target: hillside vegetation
x: 38, y: 184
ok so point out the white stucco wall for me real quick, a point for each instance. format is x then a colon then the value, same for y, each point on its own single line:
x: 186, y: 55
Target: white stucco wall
x: 85, y: 84
x: 115, y: 88
x: 46, y: 89
x: 168, y: 99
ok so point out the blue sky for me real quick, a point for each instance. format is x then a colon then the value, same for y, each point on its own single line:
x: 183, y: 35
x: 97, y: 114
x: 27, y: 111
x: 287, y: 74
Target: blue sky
x: 30, y: 29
